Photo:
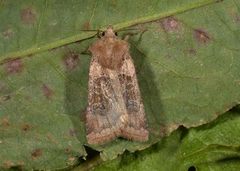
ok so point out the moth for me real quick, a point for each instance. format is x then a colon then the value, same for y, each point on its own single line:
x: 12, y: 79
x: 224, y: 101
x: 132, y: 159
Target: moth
x: 115, y: 108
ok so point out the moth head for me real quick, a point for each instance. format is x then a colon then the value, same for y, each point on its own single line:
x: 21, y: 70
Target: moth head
x: 109, y: 33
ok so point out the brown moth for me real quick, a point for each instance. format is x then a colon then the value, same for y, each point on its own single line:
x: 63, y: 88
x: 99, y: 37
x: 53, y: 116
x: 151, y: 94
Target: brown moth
x: 115, y: 107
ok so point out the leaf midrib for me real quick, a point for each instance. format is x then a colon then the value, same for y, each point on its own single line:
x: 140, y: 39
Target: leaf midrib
x: 86, y: 35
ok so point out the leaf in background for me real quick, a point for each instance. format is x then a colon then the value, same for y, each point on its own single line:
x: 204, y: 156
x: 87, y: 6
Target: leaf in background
x: 31, y: 26
x: 213, y: 146
x: 37, y: 130
x: 187, y: 66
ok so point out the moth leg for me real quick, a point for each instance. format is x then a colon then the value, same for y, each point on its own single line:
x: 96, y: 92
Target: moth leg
x: 127, y: 35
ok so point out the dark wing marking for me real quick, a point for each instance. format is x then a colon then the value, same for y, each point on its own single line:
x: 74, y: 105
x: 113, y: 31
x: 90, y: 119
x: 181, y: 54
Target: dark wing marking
x: 135, y: 129
x: 103, y: 113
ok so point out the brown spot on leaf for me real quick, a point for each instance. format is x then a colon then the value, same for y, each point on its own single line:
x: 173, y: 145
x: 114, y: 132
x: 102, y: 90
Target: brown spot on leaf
x: 86, y: 26
x: 201, y: 36
x: 47, y: 91
x: 170, y: 24
x: 67, y: 150
x: 7, y: 164
x: 14, y: 66
x: 8, y: 33
x: 26, y: 127
x: 36, y: 153
x: 237, y: 18
x: 72, y: 132
x: 71, y: 60
x: 28, y: 15
x: 83, y: 115
x: 191, y: 51
x: 5, y: 122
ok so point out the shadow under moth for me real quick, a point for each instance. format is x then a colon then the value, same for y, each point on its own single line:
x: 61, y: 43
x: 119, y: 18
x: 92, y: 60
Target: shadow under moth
x: 115, y: 108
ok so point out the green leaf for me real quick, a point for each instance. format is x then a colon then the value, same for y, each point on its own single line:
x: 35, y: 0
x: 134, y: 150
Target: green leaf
x: 187, y: 67
x: 214, y: 146
x: 37, y: 130
x: 32, y: 26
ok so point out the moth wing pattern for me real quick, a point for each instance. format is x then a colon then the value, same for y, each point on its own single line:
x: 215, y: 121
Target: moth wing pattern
x: 136, y: 127
x: 99, y: 128
x: 115, y: 108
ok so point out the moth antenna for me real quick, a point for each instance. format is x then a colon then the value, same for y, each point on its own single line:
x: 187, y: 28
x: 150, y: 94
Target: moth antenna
x: 99, y: 32
x: 126, y: 29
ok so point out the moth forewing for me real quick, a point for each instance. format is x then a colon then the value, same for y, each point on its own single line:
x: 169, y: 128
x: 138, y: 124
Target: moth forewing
x: 115, y: 107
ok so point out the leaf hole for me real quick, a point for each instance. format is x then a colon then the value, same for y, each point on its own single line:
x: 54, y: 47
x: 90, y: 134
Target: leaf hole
x: 192, y: 168
x: 91, y: 153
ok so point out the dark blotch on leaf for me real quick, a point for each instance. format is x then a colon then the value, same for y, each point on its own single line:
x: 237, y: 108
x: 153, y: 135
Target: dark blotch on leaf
x: 48, y: 92
x: 72, y: 132
x: 28, y: 15
x: 26, y: 127
x: 5, y: 122
x: 67, y: 150
x: 14, y: 66
x: 170, y: 24
x: 237, y: 18
x: 71, y: 60
x: 36, y: 153
x: 83, y: 115
x: 86, y: 25
x: 191, y: 51
x: 201, y: 36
